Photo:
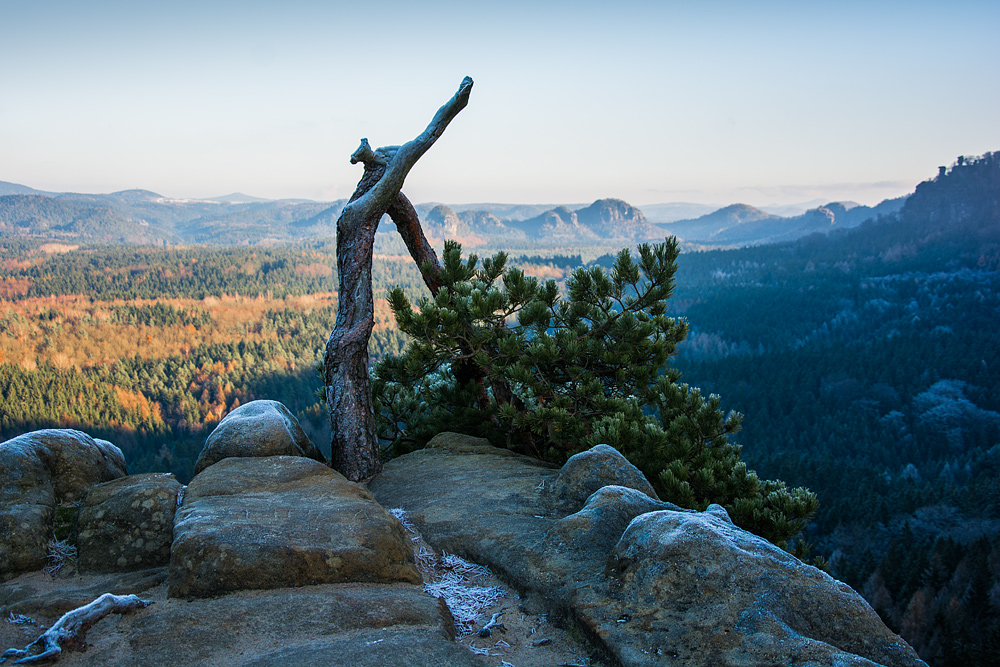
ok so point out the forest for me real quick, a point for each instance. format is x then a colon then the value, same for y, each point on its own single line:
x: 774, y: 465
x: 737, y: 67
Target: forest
x: 865, y: 362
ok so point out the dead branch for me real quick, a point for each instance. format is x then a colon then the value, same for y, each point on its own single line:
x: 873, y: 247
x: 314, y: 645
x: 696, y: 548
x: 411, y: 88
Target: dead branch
x: 71, y: 629
x: 494, y: 624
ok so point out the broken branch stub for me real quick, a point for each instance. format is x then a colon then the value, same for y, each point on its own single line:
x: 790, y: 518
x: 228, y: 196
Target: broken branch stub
x: 348, y: 396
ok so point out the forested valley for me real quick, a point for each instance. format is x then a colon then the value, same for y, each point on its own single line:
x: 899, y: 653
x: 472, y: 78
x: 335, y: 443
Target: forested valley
x: 865, y: 362
x: 867, y: 365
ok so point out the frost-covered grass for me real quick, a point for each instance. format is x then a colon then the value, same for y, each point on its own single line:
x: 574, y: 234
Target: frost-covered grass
x: 459, y: 581
x: 454, y: 582
x: 19, y: 619
x: 60, y: 552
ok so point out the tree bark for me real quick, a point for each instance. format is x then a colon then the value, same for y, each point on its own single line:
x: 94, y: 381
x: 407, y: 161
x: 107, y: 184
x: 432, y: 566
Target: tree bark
x: 355, y: 447
x: 408, y: 225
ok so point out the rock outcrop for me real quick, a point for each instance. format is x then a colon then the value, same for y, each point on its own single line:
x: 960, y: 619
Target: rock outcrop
x: 257, y: 428
x: 128, y: 523
x: 724, y: 596
x: 653, y: 584
x: 38, y: 472
x: 277, y: 559
x: 279, y: 521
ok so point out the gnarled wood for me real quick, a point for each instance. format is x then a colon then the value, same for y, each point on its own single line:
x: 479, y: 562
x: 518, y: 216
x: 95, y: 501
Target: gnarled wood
x: 408, y: 225
x: 70, y: 631
x: 355, y: 448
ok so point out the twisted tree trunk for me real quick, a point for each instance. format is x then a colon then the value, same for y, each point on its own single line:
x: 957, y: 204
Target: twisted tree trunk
x: 355, y: 447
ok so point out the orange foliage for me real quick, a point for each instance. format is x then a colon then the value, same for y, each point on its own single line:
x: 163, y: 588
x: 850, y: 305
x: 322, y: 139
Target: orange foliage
x: 314, y: 270
x: 137, y: 401
x: 11, y: 288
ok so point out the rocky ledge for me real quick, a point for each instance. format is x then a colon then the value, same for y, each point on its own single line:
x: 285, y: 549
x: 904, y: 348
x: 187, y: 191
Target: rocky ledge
x: 269, y: 557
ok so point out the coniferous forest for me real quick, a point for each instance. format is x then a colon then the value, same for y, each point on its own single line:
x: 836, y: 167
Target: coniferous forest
x: 866, y: 363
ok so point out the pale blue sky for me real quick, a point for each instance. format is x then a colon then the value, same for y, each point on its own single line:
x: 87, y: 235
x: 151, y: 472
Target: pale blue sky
x: 712, y: 102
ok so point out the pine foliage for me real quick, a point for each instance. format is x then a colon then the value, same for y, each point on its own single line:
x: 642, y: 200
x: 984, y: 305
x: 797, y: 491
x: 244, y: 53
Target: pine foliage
x: 499, y: 354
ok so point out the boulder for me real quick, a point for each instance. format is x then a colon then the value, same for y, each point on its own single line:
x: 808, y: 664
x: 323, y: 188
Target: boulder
x: 588, y: 471
x: 692, y: 588
x: 278, y: 521
x: 257, y: 428
x: 38, y: 472
x: 651, y: 583
x: 128, y: 523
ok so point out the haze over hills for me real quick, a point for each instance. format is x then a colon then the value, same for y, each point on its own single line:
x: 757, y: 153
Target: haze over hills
x: 740, y: 224
x: 145, y: 217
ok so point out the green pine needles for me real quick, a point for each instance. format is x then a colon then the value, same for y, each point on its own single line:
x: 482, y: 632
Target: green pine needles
x: 498, y: 354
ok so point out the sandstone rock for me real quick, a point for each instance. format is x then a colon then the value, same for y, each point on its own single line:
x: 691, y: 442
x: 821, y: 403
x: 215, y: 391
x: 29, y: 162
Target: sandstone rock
x: 468, y: 444
x: 368, y: 625
x: 722, y: 594
x: 257, y: 523
x: 577, y: 546
x: 382, y: 648
x: 470, y: 487
x: 257, y: 428
x: 128, y: 523
x: 653, y: 584
x: 38, y: 595
x: 588, y: 471
x: 39, y: 471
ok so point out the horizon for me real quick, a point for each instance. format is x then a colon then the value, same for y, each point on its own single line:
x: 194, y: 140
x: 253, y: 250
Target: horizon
x: 803, y: 205
x: 771, y: 105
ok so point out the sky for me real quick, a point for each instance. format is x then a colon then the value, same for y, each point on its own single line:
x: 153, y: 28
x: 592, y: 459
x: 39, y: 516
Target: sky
x: 712, y: 102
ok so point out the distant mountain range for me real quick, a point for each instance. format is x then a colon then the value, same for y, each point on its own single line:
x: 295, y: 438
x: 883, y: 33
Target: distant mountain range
x: 144, y: 217
x: 739, y: 224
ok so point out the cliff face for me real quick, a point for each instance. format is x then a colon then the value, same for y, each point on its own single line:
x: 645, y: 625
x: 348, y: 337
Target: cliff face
x: 277, y: 558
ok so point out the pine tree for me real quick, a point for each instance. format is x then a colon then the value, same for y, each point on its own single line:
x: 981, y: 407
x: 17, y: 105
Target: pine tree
x: 555, y: 375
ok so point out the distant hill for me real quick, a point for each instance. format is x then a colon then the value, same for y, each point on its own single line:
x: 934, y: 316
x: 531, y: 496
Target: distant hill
x: 15, y: 189
x: 616, y: 219
x: 706, y: 227
x: 507, y: 211
x: 604, y: 220
x: 740, y: 224
x: 484, y: 222
x: 442, y: 222
x: 37, y: 215
x: 143, y: 216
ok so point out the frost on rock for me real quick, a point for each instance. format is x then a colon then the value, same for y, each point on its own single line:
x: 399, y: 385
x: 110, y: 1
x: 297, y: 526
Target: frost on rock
x: 400, y: 514
x: 454, y: 579
x: 457, y: 580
